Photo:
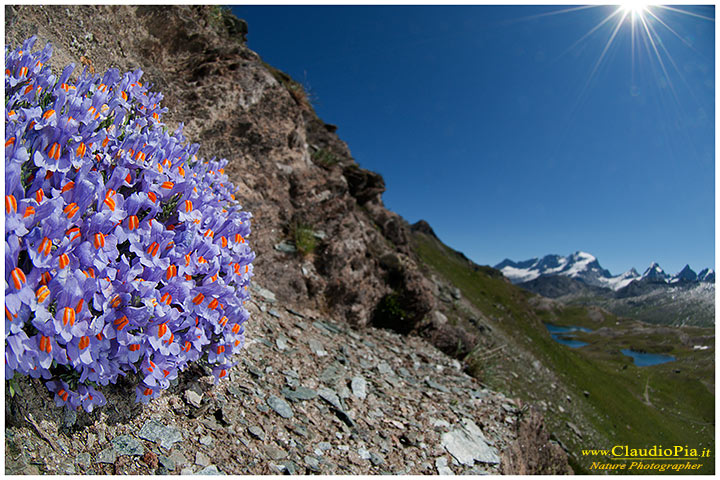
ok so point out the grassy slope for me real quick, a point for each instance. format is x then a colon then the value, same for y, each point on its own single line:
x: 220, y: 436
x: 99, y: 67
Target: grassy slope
x: 681, y: 409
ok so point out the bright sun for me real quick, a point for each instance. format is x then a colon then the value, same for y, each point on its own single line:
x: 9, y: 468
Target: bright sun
x: 635, y: 8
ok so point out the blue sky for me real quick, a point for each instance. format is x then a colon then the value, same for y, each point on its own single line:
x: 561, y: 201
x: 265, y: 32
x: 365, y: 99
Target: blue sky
x: 516, y: 132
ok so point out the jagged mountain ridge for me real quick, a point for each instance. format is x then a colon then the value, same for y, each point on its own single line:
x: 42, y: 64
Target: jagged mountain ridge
x: 586, y: 268
x: 654, y: 296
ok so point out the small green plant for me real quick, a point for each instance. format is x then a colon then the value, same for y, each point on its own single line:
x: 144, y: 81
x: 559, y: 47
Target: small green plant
x: 324, y: 158
x: 304, y: 238
x: 389, y: 313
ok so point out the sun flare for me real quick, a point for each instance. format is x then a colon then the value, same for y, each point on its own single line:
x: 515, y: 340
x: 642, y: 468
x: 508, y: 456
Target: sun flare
x: 634, y: 8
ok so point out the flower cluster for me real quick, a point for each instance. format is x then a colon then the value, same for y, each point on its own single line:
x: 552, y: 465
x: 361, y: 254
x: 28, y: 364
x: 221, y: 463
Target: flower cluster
x: 123, y: 251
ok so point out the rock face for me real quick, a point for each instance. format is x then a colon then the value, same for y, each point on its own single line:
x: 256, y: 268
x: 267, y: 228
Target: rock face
x: 308, y: 395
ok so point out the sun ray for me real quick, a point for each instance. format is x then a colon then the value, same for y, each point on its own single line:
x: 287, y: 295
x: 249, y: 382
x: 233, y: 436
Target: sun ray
x: 607, y: 47
x: 661, y: 22
x: 659, y: 57
x: 592, y: 30
x: 632, y: 51
x: 554, y: 12
x: 671, y: 60
x: 685, y: 12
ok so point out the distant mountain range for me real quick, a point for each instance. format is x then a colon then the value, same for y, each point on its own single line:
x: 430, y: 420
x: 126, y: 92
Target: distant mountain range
x: 686, y: 298
x: 585, y: 267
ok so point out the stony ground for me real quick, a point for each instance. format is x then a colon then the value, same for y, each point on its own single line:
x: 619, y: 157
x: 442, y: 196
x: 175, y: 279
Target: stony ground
x: 307, y: 396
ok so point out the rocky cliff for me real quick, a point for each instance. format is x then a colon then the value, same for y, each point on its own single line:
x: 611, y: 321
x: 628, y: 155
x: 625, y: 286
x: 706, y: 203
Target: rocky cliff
x: 334, y: 263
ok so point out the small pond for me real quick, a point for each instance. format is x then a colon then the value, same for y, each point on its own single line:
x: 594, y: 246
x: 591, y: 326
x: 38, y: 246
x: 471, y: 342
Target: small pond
x: 647, y: 359
x: 563, y: 335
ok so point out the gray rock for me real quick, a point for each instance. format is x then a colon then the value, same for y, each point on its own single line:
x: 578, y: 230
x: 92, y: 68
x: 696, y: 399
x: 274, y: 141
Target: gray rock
x: 359, y: 387
x: 155, y: 431
x: 83, y: 459
x: 324, y: 446
x: 376, y: 459
x: 301, y: 393
x: 405, y: 373
x: 329, y: 327
x: 127, y: 445
x: 330, y: 397
x: 202, y: 460
x: 281, y: 342
x: 187, y: 471
x: 440, y: 423
x: 317, y: 348
x: 439, y: 318
x: 257, y: 432
x: 285, y: 247
x: 167, y: 462
x: 90, y: 442
x: 266, y: 294
x: 331, y: 374
x: 575, y: 429
x: 478, y: 394
x: 385, y: 369
x: 312, y: 463
x: 280, y: 406
x: 254, y: 371
x: 263, y: 408
x: 455, y: 292
x: 67, y: 467
x: 344, y: 392
x: 206, y: 440
x: 209, y: 470
x: 275, y: 453
x: 178, y: 458
x: 192, y: 398
x: 274, y: 313
x: 290, y: 467
x: 106, y: 456
x: 442, y: 466
x: 300, y: 430
x: 364, y: 454
x: 60, y: 441
x: 468, y: 444
x: 433, y: 384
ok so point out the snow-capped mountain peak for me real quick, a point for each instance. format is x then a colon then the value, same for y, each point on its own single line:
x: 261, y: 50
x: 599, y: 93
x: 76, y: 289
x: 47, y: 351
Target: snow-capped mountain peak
x: 687, y: 274
x: 580, y: 265
x: 585, y: 267
x: 655, y: 273
x: 706, y: 275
